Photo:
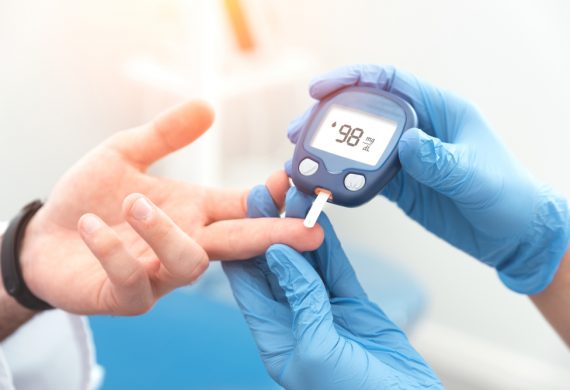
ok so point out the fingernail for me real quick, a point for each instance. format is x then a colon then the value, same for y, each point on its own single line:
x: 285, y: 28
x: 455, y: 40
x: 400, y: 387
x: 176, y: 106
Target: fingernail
x: 90, y: 224
x: 141, y: 209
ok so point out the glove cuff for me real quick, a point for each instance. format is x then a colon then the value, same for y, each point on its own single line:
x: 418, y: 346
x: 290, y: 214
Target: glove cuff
x: 533, y: 265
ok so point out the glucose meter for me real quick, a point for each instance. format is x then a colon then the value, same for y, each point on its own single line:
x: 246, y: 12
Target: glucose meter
x: 348, y: 149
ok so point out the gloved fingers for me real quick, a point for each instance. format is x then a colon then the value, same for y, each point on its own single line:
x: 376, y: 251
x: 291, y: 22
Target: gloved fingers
x: 248, y: 284
x: 255, y: 288
x: 306, y: 295
x: 439, y: 112
x: 395, y: 188
x: 334, y: 267
x: 297, y: 124
x: 375, y: 332
x: 288, y: 166
x: 366, y: 320
x: 260, y: 203
x: 376, y: 76
x: 297, y: 203
x: 414, y: 198
x: 449, y: 169
x: 329, y: 259
x: 278, y: 184
x: 268, y: 319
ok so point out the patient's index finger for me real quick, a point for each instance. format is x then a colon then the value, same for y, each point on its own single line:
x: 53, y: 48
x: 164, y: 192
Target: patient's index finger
x: 246, y: 238
x: 170, y: 131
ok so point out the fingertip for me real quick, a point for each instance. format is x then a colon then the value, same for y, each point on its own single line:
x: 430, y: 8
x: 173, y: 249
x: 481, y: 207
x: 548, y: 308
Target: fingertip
x: 283, y: 261
x: 184, y: 123
x: 190, y: 117
x: 199, y: 113
x: 409, y: 145
x: 129, y: 200
x: 316, y: 237
x: 274, y: 249
x: 410, y: 137
x: 88, y: 224
x: 137, y: 206
x: 301, y: 238
x: 278, y: 252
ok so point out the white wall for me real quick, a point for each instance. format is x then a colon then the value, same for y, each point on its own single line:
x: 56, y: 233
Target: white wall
x: 62, y: 89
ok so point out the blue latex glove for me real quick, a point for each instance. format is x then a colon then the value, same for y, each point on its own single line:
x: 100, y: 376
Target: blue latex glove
x: 311, y: 320
x: 461, y: 183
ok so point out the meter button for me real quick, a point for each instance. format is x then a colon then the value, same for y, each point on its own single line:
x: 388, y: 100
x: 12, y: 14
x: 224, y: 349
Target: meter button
x: 308, y: 167
x: 354, y: 182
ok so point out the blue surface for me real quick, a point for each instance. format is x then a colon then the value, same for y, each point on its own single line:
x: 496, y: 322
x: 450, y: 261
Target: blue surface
x: 189, y: 340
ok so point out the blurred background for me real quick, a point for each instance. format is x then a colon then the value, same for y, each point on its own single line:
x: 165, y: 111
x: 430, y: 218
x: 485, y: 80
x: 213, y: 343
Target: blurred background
x: 74, y: 72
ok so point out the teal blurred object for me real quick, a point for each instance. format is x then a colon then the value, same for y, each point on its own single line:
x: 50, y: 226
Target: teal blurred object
x: 196, y: 337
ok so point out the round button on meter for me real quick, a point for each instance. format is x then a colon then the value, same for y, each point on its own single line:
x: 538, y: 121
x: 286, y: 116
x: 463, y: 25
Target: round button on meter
x: 348, y: 147
x: 354, y: 181
x: 307, y: 167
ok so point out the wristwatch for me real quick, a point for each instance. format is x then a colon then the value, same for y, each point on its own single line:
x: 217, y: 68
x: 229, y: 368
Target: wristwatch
x: 12, y: 277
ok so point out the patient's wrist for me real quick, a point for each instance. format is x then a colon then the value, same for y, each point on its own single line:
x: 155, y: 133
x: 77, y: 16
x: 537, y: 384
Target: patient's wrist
x: 555, y: 299
x: 32, y: 236
x: 12, y: 314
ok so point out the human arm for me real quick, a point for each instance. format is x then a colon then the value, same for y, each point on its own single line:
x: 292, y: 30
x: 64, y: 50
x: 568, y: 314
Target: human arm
x: 311, y: 320
x: 113, y: 239
x: 554, y: 301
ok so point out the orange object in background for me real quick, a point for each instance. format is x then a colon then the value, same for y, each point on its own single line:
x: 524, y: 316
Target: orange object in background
x: 239, y: 25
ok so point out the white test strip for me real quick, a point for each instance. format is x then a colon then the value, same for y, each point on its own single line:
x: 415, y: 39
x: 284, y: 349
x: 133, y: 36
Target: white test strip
x: 316, y: 208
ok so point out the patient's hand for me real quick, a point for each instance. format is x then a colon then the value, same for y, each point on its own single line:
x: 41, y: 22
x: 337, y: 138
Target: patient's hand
x: 100, y: 246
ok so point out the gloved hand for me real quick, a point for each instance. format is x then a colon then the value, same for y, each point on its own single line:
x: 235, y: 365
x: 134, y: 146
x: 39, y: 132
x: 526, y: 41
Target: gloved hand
x: 311, y: 320
x: 461, y: 183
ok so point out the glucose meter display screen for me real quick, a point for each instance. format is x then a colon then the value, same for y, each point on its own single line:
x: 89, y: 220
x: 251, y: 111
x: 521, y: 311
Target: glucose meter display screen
x: 354, y: 134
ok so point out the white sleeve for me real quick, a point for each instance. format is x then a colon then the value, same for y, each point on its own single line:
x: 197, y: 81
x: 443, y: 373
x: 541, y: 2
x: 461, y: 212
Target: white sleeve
x: 52, y: 351
x: 6, y: 381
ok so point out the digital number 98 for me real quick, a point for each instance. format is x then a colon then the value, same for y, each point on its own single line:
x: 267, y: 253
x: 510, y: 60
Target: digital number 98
x: 349, y: 135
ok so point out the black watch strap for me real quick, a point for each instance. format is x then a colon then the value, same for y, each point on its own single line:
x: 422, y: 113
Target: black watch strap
x: 12, y: 277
